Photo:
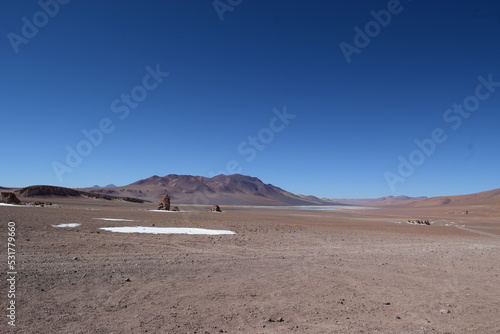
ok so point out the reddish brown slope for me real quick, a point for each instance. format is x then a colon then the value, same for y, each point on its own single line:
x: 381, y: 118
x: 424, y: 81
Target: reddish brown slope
x: 490, y: 198
x: 233, y: 189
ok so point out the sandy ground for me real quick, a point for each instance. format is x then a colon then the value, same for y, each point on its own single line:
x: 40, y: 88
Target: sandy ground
x: 284, y: 271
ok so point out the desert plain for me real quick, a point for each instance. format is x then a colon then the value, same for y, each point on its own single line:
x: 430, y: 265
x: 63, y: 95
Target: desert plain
x: 353, y: 270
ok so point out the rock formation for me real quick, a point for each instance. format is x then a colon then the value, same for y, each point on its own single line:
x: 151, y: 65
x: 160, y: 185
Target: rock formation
x: 175, y: 208
x: 216, y: 208
x: 9, y: 198
x: 164, y: 203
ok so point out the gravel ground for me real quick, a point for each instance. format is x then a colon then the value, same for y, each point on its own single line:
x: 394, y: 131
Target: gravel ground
x: 284, y: 271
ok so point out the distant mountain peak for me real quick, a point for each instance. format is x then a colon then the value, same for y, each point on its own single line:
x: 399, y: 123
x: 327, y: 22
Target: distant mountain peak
x: 235, y: 189
x: 111, y: 185
x: 386, y: 200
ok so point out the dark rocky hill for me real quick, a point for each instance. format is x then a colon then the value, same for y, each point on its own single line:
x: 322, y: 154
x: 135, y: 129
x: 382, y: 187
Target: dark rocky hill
x: 53, y: 191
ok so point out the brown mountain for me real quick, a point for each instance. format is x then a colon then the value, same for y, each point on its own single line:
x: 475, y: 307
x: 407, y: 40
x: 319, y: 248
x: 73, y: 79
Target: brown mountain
x: 233, y: 189
x: 486, y: 198
x: 491, y: 197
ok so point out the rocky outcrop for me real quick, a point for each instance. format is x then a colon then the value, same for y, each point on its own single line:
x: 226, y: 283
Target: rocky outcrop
x: 164, y: 203
x: 42, y: 191
x: 9, y: 198
x: 216, y: 208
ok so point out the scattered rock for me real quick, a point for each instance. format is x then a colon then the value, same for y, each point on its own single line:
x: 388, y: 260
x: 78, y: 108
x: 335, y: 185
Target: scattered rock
x: 444, y: 311
x: 216, y: 208
x: 9, y: 198
x: 398, y: 317
x: 40, y: 204
x: 419, y: 222
x: 279, y: 319
x: 164, y: 203
x: 175, y: 208
x: 127, y: 280
x: 466, y: 212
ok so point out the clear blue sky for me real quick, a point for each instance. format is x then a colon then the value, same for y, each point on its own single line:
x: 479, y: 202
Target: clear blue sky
x: 353, y: 120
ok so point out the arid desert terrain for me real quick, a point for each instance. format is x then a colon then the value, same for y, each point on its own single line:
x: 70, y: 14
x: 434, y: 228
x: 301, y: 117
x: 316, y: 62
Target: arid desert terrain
x: 284, y: 271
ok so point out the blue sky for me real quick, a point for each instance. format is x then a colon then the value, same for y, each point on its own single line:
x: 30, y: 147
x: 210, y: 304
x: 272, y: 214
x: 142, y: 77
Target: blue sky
x: 268, y: 91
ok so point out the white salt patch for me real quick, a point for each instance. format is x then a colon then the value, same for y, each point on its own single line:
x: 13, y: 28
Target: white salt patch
x: 116, y: 219
x: 165, y: 230
x: 67, y: 225
x: 5, y: 204
x: 162, y: 211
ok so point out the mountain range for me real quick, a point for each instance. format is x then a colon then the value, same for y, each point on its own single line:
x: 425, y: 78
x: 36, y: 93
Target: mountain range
x: 233, y: 189
x: 239, y: 189
x: 381, y: 201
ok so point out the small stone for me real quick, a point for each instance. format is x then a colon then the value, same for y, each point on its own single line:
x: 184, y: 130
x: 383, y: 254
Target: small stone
x: 387, y: 303
x: 398, y: 317
x: 444, y: 311
x: 127, y: 280
x: 280, y: 319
